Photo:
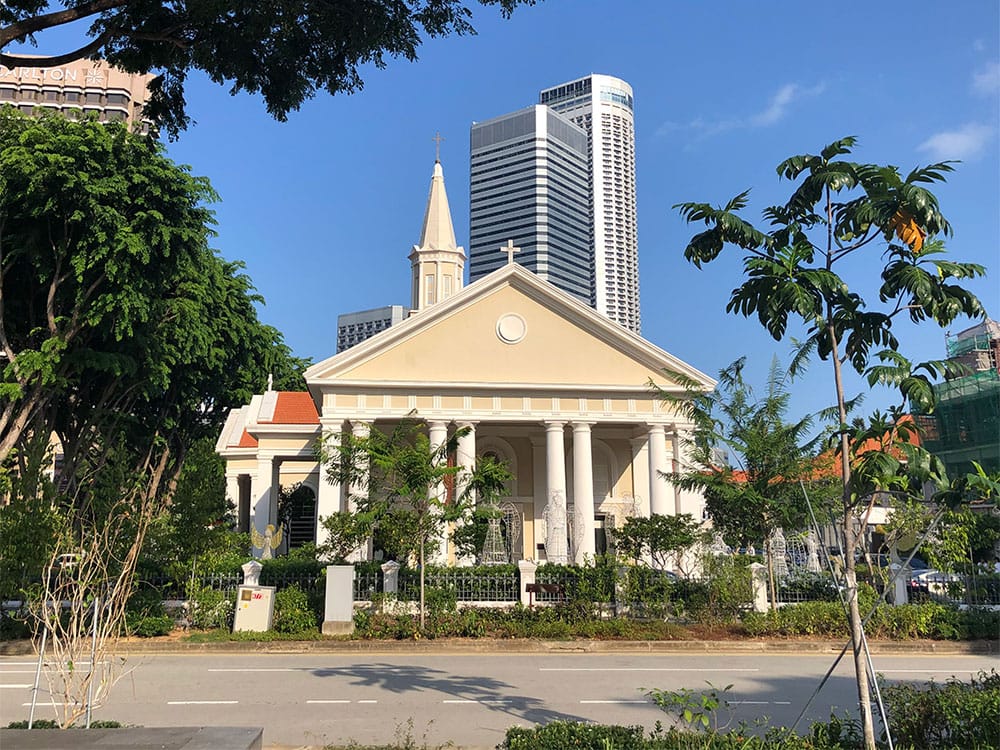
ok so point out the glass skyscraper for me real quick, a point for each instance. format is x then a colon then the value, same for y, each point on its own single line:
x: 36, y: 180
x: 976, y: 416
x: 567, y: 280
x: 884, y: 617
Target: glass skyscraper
x: 529, y: 183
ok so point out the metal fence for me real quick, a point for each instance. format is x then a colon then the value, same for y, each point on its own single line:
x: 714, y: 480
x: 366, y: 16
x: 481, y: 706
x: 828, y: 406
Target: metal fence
x: 466, y: 584
x: 977, y: 590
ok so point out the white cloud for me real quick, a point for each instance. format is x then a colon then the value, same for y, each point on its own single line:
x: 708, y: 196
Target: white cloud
x: 967, y: 142
x: 987, y: 80
x: 776, y: 109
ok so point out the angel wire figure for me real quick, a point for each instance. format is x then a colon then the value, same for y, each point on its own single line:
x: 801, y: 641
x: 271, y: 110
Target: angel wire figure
x: 269, y: 540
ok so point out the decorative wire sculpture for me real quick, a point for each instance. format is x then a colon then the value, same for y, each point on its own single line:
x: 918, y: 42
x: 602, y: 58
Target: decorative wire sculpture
x: 511, y: 517
x: 617, y: 512
x: 494, y: 549
x: 555, y: 529
x: 777, y: 547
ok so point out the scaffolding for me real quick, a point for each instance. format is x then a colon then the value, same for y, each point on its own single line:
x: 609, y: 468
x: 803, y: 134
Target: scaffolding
x: 965, y: 425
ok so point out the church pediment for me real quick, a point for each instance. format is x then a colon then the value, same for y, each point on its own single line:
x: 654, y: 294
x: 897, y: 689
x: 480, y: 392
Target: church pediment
x: 509, y: 328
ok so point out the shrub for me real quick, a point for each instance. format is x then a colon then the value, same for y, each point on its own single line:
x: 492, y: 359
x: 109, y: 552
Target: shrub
x: 955, y: 715
x: 210, y: 609
x: 925, y: 620
x: 559, y: 735
x: 145, y: 615
x: 293, y: 612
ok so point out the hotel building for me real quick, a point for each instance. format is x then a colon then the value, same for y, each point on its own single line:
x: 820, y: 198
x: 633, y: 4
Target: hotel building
x: 88, y: 86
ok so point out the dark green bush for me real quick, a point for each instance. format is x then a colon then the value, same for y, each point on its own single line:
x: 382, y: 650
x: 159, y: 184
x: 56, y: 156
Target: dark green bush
x: 293, y: 612
x: 145, y: 615
x: 925, y: 620
x: 954, y: 714
x: 560, y: 735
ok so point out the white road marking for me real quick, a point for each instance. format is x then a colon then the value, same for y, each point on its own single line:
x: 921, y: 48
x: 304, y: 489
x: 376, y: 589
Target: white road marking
x: 202, y: 703
x: 616, y: 702
x: 749, y: 703
x: 262, y: 669
x: 646, y: 669
x: 17, y: 671
x: 931, y: 671
x: 328, y: 701
x: 782, y: 703
x: 483, y: 702
x: 460, y: 700
x: 368, y: 701
x: 15, y: 687
x: 48, y: 703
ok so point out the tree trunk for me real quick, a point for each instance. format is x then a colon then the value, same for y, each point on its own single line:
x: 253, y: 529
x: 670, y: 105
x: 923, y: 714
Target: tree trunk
x: 857, y: 633
x: 421, y: 584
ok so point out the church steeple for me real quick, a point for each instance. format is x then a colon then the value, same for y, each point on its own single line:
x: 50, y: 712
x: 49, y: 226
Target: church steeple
x: 437, y: 262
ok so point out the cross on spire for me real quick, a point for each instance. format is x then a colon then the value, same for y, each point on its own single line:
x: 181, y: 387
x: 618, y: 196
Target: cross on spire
x: 437, y: 145
x: 510, y: 250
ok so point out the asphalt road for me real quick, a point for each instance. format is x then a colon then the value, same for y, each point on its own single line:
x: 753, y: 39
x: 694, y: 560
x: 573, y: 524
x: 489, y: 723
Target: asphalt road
x: 316, y: 699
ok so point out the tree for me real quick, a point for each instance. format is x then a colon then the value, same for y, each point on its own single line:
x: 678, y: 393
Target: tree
x: 399, y: 472
x: 123, y: 335
x: 838, y: 211
x: 663, y: 539
x: 771, y: 455
x: 285, y: 50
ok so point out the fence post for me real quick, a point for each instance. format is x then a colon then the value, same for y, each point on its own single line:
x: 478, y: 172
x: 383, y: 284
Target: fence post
x: 390, y: 578
x: 526, y: 570
x: 900, y: 594
x: 251, y: 573
x: 758, y: 581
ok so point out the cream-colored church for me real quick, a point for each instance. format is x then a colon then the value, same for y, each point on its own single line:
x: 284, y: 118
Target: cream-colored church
x: 546, y: 384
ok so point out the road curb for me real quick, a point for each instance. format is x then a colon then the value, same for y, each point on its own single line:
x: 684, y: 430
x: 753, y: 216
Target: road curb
x: 526, y: 646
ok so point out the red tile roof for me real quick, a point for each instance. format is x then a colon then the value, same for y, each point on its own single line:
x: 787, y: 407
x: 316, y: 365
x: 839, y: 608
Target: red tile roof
x: 295, y: 407
x: 247, y: 440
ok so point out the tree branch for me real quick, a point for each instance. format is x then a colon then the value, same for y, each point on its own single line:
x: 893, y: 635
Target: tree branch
x: 53, y: 61
x: 56, y: 18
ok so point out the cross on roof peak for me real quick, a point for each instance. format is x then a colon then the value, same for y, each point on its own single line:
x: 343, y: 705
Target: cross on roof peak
x: 437, y: 145
x: 510, y: 250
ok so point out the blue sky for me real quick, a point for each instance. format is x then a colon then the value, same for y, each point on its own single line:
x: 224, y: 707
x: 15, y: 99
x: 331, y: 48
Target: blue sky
x: 325, y: 207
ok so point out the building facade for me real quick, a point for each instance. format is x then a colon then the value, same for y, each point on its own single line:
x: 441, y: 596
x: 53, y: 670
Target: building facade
x: 965, y: 425
x: 529, y: 185
x: 82, y: 87
x: 603, y: 107
x: 533, y: 377
x: 355, y: 327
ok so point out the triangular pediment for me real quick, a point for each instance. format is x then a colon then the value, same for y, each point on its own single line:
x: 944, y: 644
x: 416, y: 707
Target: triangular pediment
x: 509, y: 328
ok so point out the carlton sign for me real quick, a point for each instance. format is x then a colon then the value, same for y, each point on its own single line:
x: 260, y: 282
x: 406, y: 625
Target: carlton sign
x: 25, y: 73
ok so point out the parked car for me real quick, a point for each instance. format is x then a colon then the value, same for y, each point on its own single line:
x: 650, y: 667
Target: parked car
x: 933, y: 584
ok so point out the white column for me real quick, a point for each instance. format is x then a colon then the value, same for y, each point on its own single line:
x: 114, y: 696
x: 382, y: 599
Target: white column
x: 584, y: 547
x: 358, y: 489
x: 437, y: 550
x: 465, y: 456
x: 539, y: 495
x: 685, y: 501
x: 263, y: 498
x: 659, y: 488
x: 328, y: 497
x: 233, y: 491
x: 640, y: 476
x: 555, y: 486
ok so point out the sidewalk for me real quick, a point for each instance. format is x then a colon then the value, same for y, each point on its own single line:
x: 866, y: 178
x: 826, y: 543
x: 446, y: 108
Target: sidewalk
x: 454, y: 646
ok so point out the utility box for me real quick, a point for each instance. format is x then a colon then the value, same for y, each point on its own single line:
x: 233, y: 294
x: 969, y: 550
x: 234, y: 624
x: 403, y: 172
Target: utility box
x: 339, y: 612
x: 254, y: 608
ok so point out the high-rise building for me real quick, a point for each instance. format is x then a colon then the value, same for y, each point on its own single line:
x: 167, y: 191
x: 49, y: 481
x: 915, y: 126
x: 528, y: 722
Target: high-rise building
x: 603, y: 107
x: 529, y: 186
x: 84, y: 86
x: 355, y: 327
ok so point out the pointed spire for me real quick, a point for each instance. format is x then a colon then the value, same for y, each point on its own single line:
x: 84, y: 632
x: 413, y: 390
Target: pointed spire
x: 438, y: 233
x: 438, y: 263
